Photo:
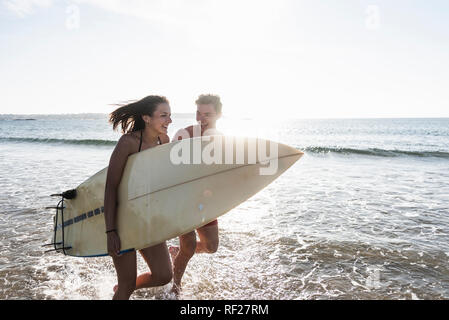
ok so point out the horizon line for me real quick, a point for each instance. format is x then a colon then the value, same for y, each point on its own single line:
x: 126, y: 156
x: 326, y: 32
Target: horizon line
x: 231, y: 116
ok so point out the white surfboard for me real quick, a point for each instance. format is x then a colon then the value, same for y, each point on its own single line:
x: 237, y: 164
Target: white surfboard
x: 170, y: 190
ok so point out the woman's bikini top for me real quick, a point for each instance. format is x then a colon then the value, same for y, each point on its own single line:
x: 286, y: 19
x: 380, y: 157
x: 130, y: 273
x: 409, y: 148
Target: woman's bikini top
x: 159, y: 142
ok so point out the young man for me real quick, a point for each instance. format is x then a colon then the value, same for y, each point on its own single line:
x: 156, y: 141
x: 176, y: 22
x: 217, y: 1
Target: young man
x: 207, y: 114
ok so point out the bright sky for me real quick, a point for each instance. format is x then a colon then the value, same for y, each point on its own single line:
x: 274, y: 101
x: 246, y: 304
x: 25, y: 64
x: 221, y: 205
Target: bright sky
x: 279, y: 58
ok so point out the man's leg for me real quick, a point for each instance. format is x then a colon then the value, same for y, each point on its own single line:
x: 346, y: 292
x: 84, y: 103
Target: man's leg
x: 208, y: 239
x: 181, y: 257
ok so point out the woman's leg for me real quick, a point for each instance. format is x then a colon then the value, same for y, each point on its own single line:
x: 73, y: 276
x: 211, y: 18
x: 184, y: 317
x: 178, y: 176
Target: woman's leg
x: 158, y: 260
x: 126, y: 268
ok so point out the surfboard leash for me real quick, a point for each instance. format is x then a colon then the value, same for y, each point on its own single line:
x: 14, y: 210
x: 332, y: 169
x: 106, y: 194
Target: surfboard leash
x: 69, y: 194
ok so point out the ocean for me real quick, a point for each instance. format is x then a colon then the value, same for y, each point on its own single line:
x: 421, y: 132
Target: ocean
x: 364, y: 214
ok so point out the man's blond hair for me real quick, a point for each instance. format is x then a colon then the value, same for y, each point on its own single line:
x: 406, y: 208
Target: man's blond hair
x: 210, y: 99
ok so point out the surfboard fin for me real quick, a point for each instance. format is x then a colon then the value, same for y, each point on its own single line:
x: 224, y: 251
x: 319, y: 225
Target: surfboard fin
x: 56, y: 249
x: 51, y: 244
x: 69, y: 194
x: 64, y: 248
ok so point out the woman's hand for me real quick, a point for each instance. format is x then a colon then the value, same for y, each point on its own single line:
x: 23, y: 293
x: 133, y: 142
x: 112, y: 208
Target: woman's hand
x: 113, y: 244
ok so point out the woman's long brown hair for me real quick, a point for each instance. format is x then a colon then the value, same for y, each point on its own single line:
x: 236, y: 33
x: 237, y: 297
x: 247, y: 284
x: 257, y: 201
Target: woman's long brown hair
x: 129, y: 116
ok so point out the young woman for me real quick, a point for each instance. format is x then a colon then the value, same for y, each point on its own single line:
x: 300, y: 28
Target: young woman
x: 144, y: 125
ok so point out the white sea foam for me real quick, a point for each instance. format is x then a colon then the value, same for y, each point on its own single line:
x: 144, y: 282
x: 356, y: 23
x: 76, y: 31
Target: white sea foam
x: 314, y: 233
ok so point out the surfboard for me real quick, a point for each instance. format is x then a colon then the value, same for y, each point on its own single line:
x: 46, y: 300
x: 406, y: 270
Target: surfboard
x: 169, y: 190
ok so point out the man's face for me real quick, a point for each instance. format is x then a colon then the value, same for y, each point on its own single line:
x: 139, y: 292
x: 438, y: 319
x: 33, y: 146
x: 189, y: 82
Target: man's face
x: 206, y: 115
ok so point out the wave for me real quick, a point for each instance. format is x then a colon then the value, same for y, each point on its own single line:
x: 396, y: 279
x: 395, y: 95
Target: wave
x: 308, y: 149
x: 377, y: 152
x: 89, y: 142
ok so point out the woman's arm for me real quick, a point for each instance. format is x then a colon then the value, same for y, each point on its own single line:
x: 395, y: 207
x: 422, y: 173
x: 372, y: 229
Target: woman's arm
x: 117, y: 164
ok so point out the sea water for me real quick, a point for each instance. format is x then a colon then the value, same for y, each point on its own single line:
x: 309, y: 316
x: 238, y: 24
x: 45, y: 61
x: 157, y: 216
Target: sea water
x: 364, y: 214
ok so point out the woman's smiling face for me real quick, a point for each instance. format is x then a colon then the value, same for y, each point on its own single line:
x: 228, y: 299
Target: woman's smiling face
x: 160, y: 120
